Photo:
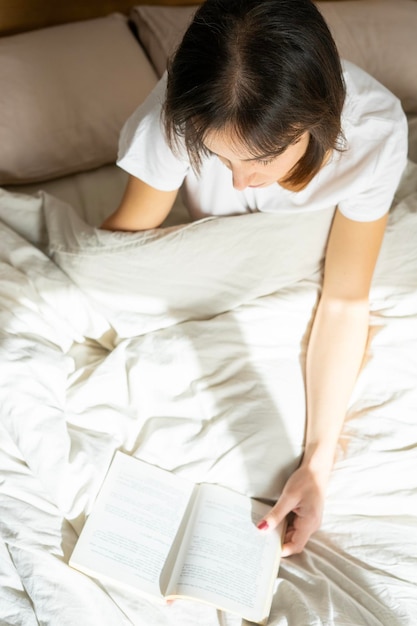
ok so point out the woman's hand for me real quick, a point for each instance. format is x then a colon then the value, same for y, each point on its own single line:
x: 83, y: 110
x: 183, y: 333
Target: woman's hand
x: 302, y: 500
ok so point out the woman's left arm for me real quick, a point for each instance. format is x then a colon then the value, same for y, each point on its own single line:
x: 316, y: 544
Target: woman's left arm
x: 334, y: 357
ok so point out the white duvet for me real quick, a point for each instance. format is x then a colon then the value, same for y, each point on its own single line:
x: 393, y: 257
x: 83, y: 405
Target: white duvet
x: 217, y: 397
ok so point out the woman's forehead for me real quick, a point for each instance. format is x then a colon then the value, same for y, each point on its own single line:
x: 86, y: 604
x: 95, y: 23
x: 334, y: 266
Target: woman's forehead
x: 228, y: 144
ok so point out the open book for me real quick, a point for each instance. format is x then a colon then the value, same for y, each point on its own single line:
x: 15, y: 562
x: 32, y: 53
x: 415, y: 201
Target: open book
x: 165, y: 537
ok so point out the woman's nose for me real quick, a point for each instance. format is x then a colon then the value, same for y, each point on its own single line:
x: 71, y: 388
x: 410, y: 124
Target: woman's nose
x: 241, y: 179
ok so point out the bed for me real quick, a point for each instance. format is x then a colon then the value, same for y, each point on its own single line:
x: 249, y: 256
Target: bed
x: 160, y: 345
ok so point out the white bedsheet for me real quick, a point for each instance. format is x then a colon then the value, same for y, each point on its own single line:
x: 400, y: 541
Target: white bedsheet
x: 202, y: 399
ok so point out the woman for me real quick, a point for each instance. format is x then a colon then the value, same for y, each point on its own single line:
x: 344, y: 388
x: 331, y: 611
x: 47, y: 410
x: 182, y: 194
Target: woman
x: 257, y: 113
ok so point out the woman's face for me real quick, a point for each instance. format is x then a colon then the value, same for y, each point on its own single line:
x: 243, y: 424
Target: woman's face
x: 248, y: 171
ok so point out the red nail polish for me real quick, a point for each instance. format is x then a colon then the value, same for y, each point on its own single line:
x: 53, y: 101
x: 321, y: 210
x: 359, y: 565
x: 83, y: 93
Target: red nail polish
x: 263, y: 525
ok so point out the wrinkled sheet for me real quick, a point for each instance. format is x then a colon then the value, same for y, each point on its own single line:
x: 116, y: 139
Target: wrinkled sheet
x: 202, y: 398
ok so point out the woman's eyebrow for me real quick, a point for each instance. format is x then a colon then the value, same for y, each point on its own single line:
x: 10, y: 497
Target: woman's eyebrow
x: 261, y: 157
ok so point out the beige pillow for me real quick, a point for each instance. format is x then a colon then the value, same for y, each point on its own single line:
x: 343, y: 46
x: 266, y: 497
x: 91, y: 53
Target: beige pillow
x: 160, y: 29
x: 378, y: 35
x: 66, y: 92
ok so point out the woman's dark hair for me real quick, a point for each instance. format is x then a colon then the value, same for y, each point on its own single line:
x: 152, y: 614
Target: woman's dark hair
x: 267, y: 69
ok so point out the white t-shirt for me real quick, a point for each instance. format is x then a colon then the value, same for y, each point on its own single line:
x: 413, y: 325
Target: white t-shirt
x: 360, y: 181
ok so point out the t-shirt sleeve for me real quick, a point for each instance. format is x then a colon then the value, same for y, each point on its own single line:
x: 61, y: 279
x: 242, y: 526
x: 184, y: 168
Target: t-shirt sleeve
x: 143, y: 148
x: 378, y: 130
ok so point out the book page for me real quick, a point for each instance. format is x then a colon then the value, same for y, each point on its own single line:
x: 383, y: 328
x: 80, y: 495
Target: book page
x: 227, y: 561
x: 135, y: 518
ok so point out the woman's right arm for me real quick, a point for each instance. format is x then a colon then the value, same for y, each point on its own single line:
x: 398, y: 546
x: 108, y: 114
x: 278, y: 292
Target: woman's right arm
x: 142, y: 207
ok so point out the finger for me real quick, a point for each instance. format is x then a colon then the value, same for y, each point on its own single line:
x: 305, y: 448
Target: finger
x: 296, y: 539
x: 278, y: 513
x: 288, y: 535
x: 292, y: 547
